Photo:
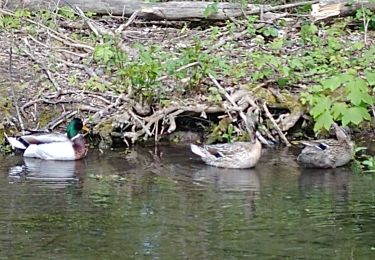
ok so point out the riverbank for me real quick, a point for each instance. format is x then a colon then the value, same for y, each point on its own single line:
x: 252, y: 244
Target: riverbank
x: 137, y: 80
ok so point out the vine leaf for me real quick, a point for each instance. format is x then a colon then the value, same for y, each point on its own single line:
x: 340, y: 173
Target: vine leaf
x: 358, y: 92
x: 332, y: 83
x: 320, y: 107
x: 339, y: 109
x: 370, y: 76
x: 355, y: 115
x: 325, y: 121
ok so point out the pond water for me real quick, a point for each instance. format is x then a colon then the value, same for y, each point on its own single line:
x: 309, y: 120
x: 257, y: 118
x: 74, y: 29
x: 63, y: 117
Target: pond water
x: 165, y: 204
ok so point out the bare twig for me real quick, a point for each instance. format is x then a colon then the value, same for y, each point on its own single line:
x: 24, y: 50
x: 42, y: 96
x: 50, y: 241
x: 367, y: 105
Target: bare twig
x: 278, y: 7
x: 180, y: 69
x: 55, y: 122
x: 222, y: 90
x: 53, y: 33
x: 88, y: 70
x: 15, y: 100
x: 88, y: 22
x: 49, y: 74
x: 270, y: 117
x: 126, y: 25
x: 145, y: 128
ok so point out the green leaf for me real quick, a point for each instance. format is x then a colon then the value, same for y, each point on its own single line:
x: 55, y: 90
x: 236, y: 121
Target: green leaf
x: 277, y: 44
x: 358, y: 92
x: 338, y: 109
x: 103, y: 53
x: 210, y: 10
x: 323, y: 105
x: 296, y: 64
x: 355, y: 115
x: 316, y: 88
x: 282, y: 82
x: 358, y: 45
x: 349, y: 76
x: 323, y: 121
x: 331, y: 83
x: 370, y: 76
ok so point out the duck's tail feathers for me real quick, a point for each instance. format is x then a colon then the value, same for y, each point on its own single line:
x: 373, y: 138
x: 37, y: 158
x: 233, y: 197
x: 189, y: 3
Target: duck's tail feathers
x: 15, y: 143
x: 198, y: 150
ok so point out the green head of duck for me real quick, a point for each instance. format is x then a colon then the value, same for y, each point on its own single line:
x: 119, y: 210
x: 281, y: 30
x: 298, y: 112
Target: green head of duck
x: 74, y: 127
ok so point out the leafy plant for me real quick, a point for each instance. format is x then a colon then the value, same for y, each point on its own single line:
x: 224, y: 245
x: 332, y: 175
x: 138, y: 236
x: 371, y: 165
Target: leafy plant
x: 214, y: 95
x: 224, y: 131
x: 68, y: 13
x: 363, y: 161
x: 95, y: 85
x: 369, y: 164
x: 269, y: 31
x: 367, y: 16
x: 109, y: 54
x: 14, y: 22
x: 309, y: 33
x: 345, y: 97
x: 211, y: 9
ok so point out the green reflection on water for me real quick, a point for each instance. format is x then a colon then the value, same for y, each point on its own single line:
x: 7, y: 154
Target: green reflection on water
x: 175, y: 207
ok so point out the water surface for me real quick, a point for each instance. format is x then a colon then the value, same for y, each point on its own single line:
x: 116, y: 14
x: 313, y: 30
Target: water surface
x: 164, y: 203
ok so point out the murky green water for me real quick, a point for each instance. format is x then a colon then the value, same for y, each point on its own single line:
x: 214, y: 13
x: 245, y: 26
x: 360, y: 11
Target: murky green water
x: 166, y: 204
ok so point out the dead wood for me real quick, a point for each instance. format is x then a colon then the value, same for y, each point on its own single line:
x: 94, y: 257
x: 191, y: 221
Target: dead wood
x: 174, y: 10
x: 327, y: 9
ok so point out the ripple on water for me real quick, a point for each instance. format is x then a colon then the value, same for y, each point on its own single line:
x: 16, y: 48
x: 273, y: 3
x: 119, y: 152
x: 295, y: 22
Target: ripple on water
x: 166, y: 203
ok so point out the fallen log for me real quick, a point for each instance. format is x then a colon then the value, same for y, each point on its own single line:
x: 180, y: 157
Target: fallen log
x: 174, y: 10
x: 169, y: 10
x: 327, y: 9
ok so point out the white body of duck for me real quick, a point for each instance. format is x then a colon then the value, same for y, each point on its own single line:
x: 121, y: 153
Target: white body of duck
x: 71, y: 146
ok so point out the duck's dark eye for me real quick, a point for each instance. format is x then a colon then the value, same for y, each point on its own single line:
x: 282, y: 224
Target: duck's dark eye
x: 323, y: 146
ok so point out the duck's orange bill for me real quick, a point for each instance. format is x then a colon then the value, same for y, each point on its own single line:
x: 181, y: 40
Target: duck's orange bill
x: 85, y: 129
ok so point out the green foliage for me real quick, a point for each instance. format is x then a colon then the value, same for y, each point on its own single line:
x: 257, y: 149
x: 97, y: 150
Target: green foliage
x: 269, y: 31
x: 46, y: 17
x: 224, y: 131
x: 346, y: 98
x: 95, y: 85
x: 250, y: 28
x: 109, y: 54
x: 369, y: 164
x: 14, y: 22
x: 214, y: 95
x: 367, y: 16
x: 9, y: 22
x: 210, y: 10
x: 309, y: 33
x: 364, y: 162
x: 68, y: 13
x: 142, y: 74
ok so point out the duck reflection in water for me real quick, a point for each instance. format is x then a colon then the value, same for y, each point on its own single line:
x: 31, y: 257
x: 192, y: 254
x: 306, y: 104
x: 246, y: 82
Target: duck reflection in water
x: 228, y: 181
x: 332, y: 181
x: 48, y: 172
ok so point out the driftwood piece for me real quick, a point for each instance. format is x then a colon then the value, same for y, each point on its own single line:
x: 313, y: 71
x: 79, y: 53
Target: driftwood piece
x: 327, y: 9
x: 174, y: 10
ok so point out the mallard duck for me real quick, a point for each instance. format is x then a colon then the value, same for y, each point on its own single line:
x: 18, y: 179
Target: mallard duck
x: 237, y: 155
x: 327, y: 153
x: 55, y: 146
x: 231, y: 155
